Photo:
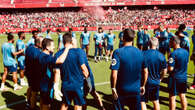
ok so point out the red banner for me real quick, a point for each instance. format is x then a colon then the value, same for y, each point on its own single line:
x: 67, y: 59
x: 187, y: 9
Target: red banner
x: 64, y: 29
x: 80, y: 3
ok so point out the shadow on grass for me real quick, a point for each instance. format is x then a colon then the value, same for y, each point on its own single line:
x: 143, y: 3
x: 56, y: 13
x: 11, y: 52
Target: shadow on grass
x: 10, y: 97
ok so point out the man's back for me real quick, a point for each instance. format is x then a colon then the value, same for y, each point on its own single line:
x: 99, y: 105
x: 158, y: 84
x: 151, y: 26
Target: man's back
x: 155, y: 62
x: 71, y: 73
x: 8, y: 58
x: 129, y: 62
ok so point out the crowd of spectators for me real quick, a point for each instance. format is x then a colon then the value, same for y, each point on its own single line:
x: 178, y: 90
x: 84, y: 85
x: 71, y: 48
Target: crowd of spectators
x: 90, y: 17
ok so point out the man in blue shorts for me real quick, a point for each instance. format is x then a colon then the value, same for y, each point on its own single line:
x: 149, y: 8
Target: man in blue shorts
x: 121, y: 38
x: 32, y: 71
x: 110, y: 37
x: 140, y: 35
x: 47, y: 62
x: 21, y: 57
x: 177, y: 68
x: 72, y: 73
x: 156, y: 65
x: 9, y: 62
x: 32, y: 40
x: 85, y: 40
x: 99, y: 39
x: 129, y: 73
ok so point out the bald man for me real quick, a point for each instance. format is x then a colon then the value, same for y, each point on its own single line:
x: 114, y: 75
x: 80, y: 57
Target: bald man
x: 156, y: 64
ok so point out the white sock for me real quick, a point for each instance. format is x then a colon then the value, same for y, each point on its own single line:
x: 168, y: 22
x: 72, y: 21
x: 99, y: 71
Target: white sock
x: 95, y: 58
x: 2, y: 85
x: 15, y: 85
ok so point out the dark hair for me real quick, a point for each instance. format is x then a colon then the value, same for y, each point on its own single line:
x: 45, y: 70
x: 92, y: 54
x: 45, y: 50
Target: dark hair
x: 70, y: 29
x: 85, y: 29
x: 34, y: 31
x: 58, y: 30
x: 67, y: 38
x: 46, y: 42
x: 48, y: 30
x: 175, y: 39
x: 20, y: 33
x: 129, y: 35
x: 99, y: 28
x: 181, y: 27
x: 10, y: 36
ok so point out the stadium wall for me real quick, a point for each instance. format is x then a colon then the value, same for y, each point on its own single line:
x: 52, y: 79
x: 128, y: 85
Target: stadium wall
x: 15, y: 30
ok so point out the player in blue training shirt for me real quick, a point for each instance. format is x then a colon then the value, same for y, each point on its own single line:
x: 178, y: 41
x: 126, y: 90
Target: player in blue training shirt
x: 85, y: 40
x: 127, y: 79
x: 21, y: 57
x: 110, y: 37
x: 121, y: 38
x: 60, y: 39
x: 177, y: 68
x: 47, y: 62
x: 156, y: 65
x: 140, y: 35
x: 72, y: 33
x: 163, y: 41
x: 32, y: 40
x: 99, y: 39
x: 72, y: 73
x: 184, y: 37
x: 48, y: 34
x: 9, y: 62
x: 193, y: 56
x: 146, y: 38
x: 32, y: 71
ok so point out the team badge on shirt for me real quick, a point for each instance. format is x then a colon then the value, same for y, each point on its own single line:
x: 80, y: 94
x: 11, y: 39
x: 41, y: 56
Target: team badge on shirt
x: 113, y: 62
x: 171, y: 60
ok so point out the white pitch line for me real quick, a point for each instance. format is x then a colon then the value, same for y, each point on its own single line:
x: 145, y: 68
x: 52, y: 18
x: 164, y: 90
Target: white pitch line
x: 22, y: 101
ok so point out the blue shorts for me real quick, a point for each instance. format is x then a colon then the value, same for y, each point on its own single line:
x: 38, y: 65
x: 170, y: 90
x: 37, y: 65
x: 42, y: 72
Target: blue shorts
x: 12, y: 68
x: 177, y: 86
x: 21, y: 65
x: 84, y: 46
x: 152, y: 93
x: 76, y: 95
x: 110, y: 47
x: 132, y: 102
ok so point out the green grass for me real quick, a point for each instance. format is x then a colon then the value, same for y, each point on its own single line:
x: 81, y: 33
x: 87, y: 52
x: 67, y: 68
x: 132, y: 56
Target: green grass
x: 101, y: 73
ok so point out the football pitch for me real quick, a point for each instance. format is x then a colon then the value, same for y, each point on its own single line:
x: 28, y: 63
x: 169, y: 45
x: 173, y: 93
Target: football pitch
x: 14, y: 100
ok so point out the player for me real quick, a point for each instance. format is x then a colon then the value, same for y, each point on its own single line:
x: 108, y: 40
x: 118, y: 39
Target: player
x: 177, y: 68
x: 21, y: 57
x: 121, y: 38
x: 47, y: 62
x: 85, y: 40
x: 98, y: 38
x: 140, y: 35
x: 156, y: 65
x: 9, y: 62
x: 32, y: 40
x: 163, y: 41
x: 110, y: 37
x: 48, y: 34
x: 146, y: 38
x: 72, y: 33
x: 184, y: 37
x: 71, y: 72
x: 127, y: 66
x: 32, y: 71
x: 60, y: 39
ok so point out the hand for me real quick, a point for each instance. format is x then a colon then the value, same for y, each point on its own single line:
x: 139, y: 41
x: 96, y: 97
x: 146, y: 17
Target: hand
x: 114, y: 94
x: 142, y: 89
x: 57, y: 93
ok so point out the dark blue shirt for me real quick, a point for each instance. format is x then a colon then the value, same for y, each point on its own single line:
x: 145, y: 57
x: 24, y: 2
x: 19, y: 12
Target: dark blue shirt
x: 193, y: 41
x: 32, y: 62
x: 140, y: 37
x: 156, y: 62
x: 129, y: 61
x: 120, y: 37
x: 71, y: 73
x: 47, y: 63
x: 179, y: 60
